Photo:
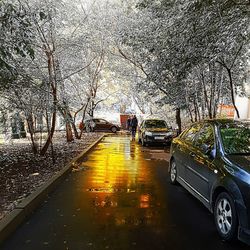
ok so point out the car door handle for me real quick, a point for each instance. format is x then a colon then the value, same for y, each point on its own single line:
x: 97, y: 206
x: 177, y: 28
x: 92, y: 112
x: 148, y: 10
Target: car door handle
x: 192, y: 154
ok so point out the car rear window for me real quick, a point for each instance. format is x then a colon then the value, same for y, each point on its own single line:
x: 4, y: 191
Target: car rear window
x: 236, y: 138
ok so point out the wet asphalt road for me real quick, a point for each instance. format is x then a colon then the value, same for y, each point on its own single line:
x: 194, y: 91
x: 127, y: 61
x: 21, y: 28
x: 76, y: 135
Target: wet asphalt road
x: 120, y: 199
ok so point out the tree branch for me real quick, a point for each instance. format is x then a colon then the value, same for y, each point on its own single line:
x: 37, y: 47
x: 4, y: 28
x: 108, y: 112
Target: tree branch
x: 79, y: 70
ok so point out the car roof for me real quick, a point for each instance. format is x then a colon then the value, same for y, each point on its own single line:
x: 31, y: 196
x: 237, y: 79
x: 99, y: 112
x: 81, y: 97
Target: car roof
x: 153, y: 119
x: 89, y: 119
x: 224, y: 121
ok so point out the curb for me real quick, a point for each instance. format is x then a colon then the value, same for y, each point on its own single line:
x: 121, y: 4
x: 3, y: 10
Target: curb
x: 23, y: 210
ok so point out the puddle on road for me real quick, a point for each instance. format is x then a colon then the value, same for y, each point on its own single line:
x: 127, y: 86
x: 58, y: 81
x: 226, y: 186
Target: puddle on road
x: 111, y: 190
x: 120, y: 185
x: 159, y: 156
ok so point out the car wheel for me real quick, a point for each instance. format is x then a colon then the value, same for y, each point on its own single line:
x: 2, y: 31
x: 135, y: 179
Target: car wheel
x: 173, y: 172
x: 114, y: 129
x: 225, y: 217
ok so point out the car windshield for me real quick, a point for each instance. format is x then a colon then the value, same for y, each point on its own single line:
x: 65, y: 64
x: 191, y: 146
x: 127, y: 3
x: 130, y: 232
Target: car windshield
x: 155, y: 124
x: 236, y: 138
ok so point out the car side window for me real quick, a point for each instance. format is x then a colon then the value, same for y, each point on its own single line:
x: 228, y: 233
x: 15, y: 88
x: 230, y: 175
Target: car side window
x: 102, y: 121
x: 205, y: 137
x: 191, y: 133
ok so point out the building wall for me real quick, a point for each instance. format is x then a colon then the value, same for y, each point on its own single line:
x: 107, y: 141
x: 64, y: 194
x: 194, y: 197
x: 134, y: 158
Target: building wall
x: 243, y: 105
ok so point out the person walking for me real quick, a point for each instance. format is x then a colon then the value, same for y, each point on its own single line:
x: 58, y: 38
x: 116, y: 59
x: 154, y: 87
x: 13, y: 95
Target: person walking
x: 134, y: 124
x: 128, y: 125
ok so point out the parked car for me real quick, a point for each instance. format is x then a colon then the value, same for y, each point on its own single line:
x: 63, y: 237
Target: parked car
x: 211, y: 160
x: 96, y: 124
x: 154, y: 131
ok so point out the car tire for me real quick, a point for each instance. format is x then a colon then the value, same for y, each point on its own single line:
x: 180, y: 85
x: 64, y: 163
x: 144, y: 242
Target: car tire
x: 173, y: 172
x: 113, y: 129
x: 225, y: 217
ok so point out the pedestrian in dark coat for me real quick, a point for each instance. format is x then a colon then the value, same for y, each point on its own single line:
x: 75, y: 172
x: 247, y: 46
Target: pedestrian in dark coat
x: 128, y: 124
x: 134, y: 124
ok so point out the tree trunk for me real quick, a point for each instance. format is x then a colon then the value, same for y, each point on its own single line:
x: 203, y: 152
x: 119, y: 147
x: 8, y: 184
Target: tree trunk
x: 53, y: 87
x: 195, y: 111
x: 77, y: 135
x: 29, y: 120
x: 190, y: 114
x: 217, y: 99
x: 231, y: 81
x: 203, y: 110
x: 151, y: 110
x: 91, y: 111
x: 211, y: 72
x: 232, y: 92
x: 69, y: 134
x: 49, y: 139
x: 206, y: 96
x: 73, y: 125
x: 50, y: 133
x: 178, y: 120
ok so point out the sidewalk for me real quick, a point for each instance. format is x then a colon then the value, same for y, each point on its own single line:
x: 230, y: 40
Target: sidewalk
x: 24, y: 208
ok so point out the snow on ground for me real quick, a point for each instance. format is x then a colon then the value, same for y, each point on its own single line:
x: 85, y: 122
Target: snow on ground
x: 22, y: 172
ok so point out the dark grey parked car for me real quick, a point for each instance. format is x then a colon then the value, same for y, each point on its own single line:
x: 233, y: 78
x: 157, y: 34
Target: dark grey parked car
x: 212, y: 161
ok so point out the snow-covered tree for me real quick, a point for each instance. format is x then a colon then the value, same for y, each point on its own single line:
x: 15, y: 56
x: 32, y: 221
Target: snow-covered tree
x: 182, y: 48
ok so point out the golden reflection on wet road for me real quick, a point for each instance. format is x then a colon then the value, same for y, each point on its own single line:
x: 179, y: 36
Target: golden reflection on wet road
x: 120, y: 184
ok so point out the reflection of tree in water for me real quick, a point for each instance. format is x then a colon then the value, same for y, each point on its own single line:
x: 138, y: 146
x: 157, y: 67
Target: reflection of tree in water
x: 236, y: 140
x: 107, y: 201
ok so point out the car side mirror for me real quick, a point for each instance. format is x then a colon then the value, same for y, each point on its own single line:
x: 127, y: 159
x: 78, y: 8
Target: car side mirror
x: 206, y: 149
x: 212, y: 153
